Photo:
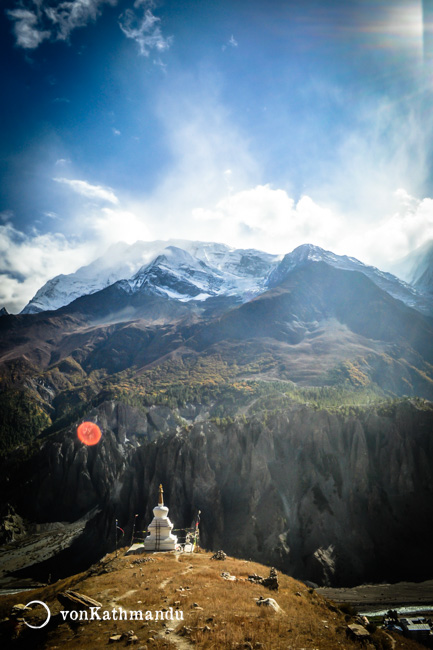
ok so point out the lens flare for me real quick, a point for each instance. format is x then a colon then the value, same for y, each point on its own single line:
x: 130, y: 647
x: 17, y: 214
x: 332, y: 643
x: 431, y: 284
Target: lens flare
x: 89, y: 433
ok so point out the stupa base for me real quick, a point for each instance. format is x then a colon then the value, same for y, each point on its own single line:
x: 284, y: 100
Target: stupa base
x: 160, y: 545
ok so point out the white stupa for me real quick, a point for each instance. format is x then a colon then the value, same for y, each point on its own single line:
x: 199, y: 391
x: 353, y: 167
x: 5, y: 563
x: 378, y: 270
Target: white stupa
x: 160, y: 538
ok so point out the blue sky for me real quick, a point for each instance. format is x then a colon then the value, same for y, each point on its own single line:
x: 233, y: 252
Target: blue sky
x: 261, y: 124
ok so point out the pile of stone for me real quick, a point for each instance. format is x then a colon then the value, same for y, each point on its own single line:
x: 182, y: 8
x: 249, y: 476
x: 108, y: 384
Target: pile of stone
x: 129, y: 636
x: 219, y: 555
x: 271, y: 582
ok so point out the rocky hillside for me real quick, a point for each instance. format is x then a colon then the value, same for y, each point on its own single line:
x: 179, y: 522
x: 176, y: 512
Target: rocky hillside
x: 337, y: 496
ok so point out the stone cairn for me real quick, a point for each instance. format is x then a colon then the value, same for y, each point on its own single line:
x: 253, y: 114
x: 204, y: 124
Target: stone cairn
x: 271, y: 582
x: 219, y: 555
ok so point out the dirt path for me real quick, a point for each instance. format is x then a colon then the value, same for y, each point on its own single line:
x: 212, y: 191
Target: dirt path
x: 164, y: 583
x: 179, y: 641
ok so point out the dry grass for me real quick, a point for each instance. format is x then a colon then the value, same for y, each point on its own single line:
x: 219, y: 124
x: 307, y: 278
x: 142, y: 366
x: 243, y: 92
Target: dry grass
x: 217, y: 613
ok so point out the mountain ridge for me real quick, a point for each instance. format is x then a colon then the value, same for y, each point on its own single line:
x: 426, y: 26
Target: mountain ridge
x: 318, y: 313
x: 203, y: 270
x: 221, y: 260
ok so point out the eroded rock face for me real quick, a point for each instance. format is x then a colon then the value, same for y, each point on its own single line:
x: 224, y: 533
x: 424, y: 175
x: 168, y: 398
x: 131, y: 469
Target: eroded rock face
x: 12, y: 527
x: 327, y: 497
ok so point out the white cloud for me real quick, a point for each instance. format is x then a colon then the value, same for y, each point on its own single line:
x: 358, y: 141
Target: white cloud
x: 110, y: 226
x: 399, y: 233
x: 28, y: 261
x: 232, y: 42
x: 27, y: 28
x: 203, y: 144
x: 213, y: 190
x: 269, y: 219
x: 69, y: 15
x: 387, y: 147
x: 144, y: 29
x: 39, y: 21
x: 97, y: 192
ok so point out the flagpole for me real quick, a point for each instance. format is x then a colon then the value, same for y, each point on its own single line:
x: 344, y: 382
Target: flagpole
x: 133, y: 530
x: 196, y: 532
x: 116, y: 537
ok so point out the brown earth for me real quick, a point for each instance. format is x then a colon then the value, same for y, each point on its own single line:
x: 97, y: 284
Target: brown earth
x: 217, y: 612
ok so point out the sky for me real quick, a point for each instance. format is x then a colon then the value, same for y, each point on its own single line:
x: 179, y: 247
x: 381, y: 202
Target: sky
x: 258, y: 123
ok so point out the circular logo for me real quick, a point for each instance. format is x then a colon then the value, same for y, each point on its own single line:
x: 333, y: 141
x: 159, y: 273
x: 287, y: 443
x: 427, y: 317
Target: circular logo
x: 39, y: 602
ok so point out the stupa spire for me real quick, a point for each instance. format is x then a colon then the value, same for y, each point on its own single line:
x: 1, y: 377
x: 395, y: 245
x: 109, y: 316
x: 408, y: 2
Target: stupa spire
x: 161, y: 495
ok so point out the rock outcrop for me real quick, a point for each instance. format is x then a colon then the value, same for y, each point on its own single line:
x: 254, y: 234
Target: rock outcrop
x: 12, y: 527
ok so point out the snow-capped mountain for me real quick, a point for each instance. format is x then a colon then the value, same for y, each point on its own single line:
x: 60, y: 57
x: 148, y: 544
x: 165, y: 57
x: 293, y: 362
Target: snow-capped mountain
x: 120, y: 261
x: 386, y: 281
x: 185, y: 271
x: 177, y: 274
x: 180, y: 269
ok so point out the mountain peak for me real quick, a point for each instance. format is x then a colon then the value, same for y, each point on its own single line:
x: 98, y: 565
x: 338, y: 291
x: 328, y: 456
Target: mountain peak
x: 175, y: 256
x: 304, y: 254
x: 310, y: 254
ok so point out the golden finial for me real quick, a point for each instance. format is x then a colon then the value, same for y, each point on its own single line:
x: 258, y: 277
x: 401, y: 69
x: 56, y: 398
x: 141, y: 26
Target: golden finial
x: 161, y: 498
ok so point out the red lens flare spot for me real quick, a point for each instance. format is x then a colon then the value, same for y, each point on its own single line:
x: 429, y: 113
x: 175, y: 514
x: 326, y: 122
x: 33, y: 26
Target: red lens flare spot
x: 89, y: 433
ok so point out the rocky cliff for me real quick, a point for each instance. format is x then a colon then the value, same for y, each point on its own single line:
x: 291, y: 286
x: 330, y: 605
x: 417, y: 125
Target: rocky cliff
x: 337, y: 498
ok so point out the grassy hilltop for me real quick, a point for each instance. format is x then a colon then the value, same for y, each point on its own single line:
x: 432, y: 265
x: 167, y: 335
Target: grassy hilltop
x: 218, y: 613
